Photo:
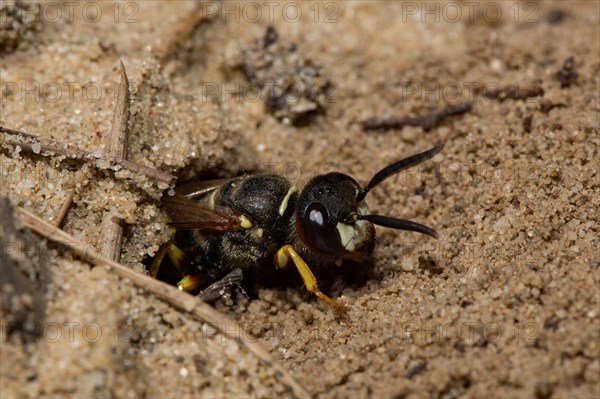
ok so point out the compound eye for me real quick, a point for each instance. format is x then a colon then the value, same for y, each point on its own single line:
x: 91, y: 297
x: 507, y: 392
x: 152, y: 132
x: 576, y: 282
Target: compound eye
x: 320, y: 234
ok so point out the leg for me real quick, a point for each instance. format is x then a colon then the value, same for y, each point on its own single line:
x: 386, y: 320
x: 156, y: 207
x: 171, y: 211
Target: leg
x: 158, y: 259
x: 166, y: 248
x: 281, y: 259
x: 188, y: 282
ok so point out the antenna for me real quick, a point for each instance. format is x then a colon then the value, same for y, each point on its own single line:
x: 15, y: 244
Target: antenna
x: 399, y: 224
x: 398, y: 167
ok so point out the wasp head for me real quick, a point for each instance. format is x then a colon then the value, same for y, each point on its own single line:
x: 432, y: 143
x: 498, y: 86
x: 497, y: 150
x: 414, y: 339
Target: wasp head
x: 328, y: 214
x: 333, y: 219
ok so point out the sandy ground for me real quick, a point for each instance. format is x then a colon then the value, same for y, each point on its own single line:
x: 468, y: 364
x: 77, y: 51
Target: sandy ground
x: 504, y: 304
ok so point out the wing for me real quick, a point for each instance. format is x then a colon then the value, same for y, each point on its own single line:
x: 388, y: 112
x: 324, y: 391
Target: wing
x: 198, y: 188
x: 186, y: 213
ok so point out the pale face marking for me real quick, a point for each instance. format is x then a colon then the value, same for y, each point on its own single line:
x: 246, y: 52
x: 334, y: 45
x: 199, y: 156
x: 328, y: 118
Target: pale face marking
x: 354, y: 235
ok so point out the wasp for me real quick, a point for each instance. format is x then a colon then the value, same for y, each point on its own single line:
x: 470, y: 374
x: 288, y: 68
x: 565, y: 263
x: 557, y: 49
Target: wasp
x: 262, y: 220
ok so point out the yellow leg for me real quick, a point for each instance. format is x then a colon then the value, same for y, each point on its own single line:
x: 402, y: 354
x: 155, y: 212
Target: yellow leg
x: 164, y: 249
x: 281, y: 259
x: 158, y: 258
x: 188, y: 282
x: 175, y: 254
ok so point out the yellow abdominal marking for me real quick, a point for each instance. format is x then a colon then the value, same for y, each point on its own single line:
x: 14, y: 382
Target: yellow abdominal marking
x: 211, y: 200
x: 284, y: 203
x: 245, y: 222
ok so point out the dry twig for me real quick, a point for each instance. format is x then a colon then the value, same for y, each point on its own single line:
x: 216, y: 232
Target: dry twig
x: 64, y: 208
x: 170, y: 294
x: 513, y: 92
x: 111, y: 232
x: 425, y: 121
x: 117, y: 147
x: 32, y: 143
